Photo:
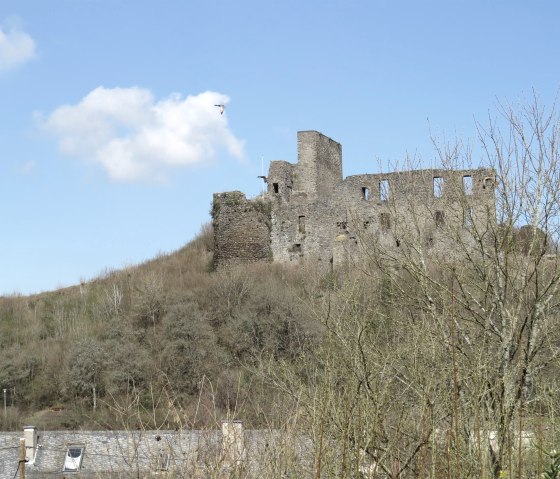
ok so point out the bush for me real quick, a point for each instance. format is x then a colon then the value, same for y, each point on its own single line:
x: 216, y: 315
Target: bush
x: 86, y: 364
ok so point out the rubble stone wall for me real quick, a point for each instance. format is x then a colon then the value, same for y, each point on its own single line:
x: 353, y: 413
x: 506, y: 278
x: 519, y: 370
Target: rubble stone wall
x: 241, y: 229
x: 310, y: 213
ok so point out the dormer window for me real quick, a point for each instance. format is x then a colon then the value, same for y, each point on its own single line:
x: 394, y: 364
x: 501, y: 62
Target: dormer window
x: 73, y: 458
x: 162, y: 462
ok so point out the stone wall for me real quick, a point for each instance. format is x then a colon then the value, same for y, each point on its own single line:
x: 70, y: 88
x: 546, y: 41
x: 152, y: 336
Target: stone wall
x: 310, y: 213
x: 241, y: 229
x: 319, y: 167
x: 280, y: 179
x: 434, y: 209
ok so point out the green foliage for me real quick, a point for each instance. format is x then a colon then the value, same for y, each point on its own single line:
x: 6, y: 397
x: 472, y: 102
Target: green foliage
x: 190, y: 350
x: 150, y: 301
x: 86, y: 364
x: 264, y: 208
x: 17, y: 368
x: 129, y: 366
x: 167, y: 324
x: 552, y: 471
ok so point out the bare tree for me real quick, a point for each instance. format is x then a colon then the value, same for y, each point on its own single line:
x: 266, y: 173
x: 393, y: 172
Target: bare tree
x: 441, y: 344
x: 491, y: 296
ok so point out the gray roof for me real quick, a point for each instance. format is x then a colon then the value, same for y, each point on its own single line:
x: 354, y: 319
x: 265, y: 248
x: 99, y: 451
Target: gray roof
x: 128, y: 454
x: 113, y: 453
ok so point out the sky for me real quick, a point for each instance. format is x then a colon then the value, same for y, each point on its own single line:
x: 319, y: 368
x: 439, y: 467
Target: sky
x: 111, y: 146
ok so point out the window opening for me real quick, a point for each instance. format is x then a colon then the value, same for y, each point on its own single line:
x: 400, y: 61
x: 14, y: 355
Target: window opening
x: 162, y: 462
x: 384, y: 190
x: 385, y: 221
x: 296, y: 248
x: 438, y: 186
x: 275, y: 187
x: 468, y: 212
x: 301, y: 224
x: 365, y: 193
x: 73, y: 458
x: 488, y: 182
x: 440, y: 218
x: 467, y: 185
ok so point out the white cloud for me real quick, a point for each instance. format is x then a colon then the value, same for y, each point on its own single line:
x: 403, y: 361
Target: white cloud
x: 133, y: 137
x: 16, y: 48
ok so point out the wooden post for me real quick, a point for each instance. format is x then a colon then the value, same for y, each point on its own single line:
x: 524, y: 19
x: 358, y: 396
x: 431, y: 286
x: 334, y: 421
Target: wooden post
x: 21, y: 458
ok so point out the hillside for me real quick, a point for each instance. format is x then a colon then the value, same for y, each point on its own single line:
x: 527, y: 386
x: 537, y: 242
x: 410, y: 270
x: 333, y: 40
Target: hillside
x: 399, y: 360
x: 168, y: 325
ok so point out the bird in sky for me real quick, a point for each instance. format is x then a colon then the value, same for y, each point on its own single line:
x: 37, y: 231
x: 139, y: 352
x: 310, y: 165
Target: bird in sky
x: 222, y: 108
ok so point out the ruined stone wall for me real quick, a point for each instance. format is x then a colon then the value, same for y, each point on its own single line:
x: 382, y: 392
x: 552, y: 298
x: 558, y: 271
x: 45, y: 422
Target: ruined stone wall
x: 280, y: 180
x: 315, y: 215
x: 432, y: 210
x: 303, y: 230
x: 241, y: 229
x: 319, y: 167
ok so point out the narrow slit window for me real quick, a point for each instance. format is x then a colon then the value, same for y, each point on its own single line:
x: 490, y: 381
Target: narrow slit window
x: 301, y: 224
x: 365, y: 193
x: 467, y: 185
x: 439, y: 218
x: 385, y: 221
x: 438, y: 186
x: 275, y: 187
x: 384, y: 191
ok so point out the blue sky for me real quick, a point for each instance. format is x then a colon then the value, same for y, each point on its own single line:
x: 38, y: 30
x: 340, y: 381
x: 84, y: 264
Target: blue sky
x: 111, y: 147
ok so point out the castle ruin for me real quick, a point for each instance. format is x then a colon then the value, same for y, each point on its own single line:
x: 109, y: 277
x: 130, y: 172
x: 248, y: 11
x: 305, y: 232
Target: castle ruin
x: 311, y: 213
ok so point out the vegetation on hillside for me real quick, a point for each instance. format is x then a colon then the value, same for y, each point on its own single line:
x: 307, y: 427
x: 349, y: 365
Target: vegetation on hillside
x: 167, y: 325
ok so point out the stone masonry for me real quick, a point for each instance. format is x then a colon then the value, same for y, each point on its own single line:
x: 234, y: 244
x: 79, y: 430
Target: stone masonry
x: 311, y: 213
